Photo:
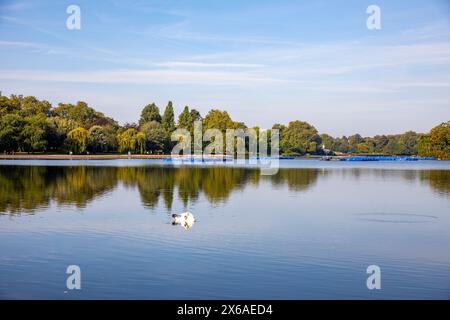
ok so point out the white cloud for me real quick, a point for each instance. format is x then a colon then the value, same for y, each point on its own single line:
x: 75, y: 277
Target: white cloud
x: 140, y: 77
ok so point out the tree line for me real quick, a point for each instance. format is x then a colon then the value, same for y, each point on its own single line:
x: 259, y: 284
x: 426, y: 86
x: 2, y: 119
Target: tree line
x: 31, y: 125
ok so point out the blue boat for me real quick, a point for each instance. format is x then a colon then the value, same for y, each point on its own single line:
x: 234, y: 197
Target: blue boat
x: 272, y: 158
x: 385, y: 158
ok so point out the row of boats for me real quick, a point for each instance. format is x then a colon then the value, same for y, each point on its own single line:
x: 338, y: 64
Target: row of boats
x: 215, y: 159
x: 193, y: 159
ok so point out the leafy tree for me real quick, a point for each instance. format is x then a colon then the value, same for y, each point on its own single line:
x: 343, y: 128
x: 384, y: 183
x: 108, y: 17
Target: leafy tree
x: 409, y: 141
x: 362, y: 147
x: 140, y: 140
x: 353, y: 141
x: 9, y: 105
x: 101, y: 139
x: 341, y: 145
x: 280, y: 127
x: 127, y: 140
x: 168, y: 120
x: 437, y: 142
x: 82, y: 114
x: 150, y: 113
x: 216, y: 119
x: 185, y: 119
x: 11, y: 126
x: 30, y: 106
x: 327, y: 141
x: 299, y: 138
x: 78, y: 139
x: 34, y: 133
x: 57, y: 129
x: 156, y: 137
x: 424, y: 147
x: 380, y: 142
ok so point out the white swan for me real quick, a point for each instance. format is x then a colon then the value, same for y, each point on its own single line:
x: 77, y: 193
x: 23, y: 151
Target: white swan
x: 185, y: 219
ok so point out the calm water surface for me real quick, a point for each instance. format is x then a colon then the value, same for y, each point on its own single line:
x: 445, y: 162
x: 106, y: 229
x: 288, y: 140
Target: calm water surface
x: 308, y: 232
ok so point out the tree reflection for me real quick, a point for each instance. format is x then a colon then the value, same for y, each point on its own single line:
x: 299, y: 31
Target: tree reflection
x: 439, y: 180
x: 25, y: 189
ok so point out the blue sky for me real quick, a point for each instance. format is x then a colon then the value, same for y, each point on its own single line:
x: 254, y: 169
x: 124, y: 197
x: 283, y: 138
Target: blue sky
x: 263, y: 61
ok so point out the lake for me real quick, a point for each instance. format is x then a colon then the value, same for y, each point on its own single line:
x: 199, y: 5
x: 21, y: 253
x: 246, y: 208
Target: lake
x: 308, y: 232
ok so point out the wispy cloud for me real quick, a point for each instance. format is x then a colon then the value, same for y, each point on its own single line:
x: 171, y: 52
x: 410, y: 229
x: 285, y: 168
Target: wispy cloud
x: 15, y: 6
x: 208, y: 65
x: 33, y: 47
x: 140, y: 77
x: 20, y: 44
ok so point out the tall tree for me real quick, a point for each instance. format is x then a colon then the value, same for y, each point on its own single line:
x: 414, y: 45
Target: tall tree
x: 34, y: 133
x: 11, y: 126
x: 78, y: 139
x: 140, y: 140
x: 150, y: 113
x: 127, y: 140
x: 155, y: 136
x: 184, y: 119
x: 168, y: 119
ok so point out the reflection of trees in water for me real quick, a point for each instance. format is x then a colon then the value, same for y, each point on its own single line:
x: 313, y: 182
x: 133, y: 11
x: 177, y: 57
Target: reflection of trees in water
x: 28, y: 188
x: 25, y: 189
x: 439, y: 180
x: 296, y: 179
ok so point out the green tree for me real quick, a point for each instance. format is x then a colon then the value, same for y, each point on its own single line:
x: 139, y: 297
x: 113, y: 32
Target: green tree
x: 353, y: 141
x: 150, y: 113
x: 140, y: 140
x: 78, y: 139
x: 127, y: 140
x: 409, y: 141
x: 299, y: 138
x: 362, y: 148
x: 30, y: 106
x: 101, y: 139
x: 168, y: 118
x: 58, y: 128
x: 11, y: 126
x: 184, y: 119
x: 82, y: 115
x: 156, y: 137
x: 217, y: 119
x: 424, y: 147
x: 9, y: 105
x: 327, y: 141
x: 34, y: 133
